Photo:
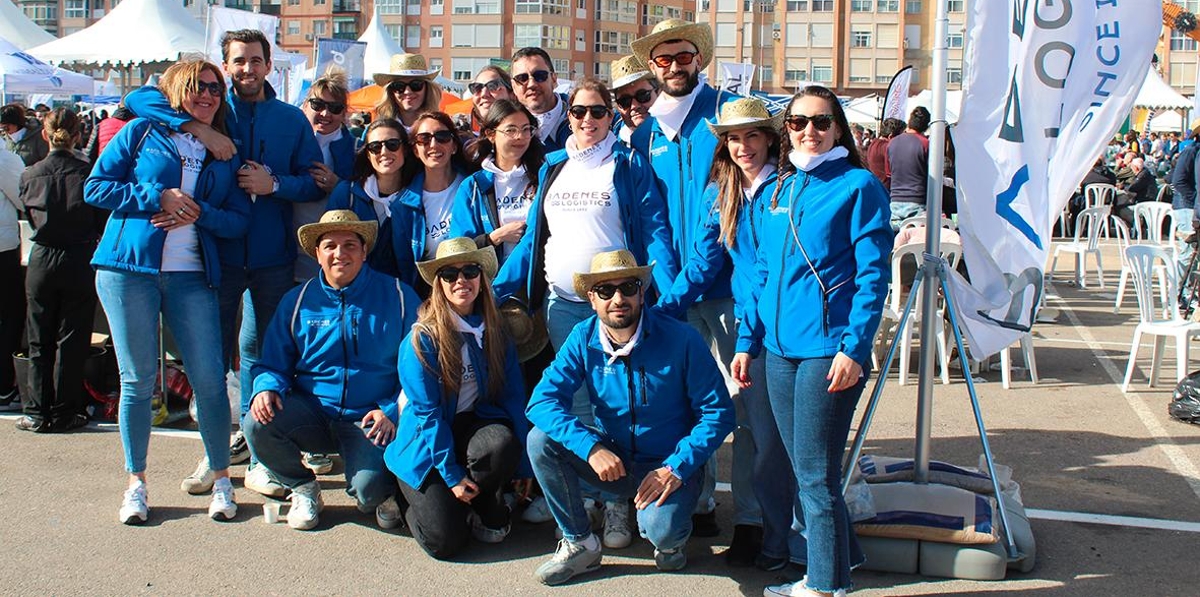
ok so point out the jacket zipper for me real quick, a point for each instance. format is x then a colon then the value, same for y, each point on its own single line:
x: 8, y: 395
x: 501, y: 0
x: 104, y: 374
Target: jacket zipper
x: 645, y: 398
x: 345, y: 351
x: 354, y: 333
x: 632, y: 406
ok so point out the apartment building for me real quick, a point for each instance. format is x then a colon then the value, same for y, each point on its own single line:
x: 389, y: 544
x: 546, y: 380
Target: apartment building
x: 1178, y: 55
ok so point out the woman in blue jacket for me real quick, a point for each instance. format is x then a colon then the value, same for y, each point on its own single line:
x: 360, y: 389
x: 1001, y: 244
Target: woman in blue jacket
x: 158, y: 258
x: 462, y: 432
x: 822, y: 266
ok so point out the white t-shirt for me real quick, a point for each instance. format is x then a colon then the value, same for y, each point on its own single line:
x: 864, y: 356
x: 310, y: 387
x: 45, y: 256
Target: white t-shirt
x: 438, y: 206
x: 514, y: 195
x: 468, y: 387
x: 181, y: 250
x: 549, y: 120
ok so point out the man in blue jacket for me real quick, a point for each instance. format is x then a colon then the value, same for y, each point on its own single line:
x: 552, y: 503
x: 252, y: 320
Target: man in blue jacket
x: 277, y: 146
x: 661, y: 412
x: 327, y: 381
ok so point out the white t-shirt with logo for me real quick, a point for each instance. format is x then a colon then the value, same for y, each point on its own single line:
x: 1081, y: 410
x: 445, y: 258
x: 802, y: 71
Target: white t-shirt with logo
x: 514, y: 195
x: 438, y: 206
x: 181, y: 250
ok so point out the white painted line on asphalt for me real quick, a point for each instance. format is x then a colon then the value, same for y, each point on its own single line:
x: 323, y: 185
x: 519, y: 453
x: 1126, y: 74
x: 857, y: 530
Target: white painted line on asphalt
x: 1120, y: 345
x: 1116, y: 521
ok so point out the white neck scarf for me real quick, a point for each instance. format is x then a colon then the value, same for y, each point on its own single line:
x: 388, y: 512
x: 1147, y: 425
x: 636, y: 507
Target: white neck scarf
x: 593, y: 156
x: 671, y: 111
x: 475, y: 331
x: 808, y: 163
x: 767, y: 170
x: 489, y: 164
x: 371, y: 188
x: 616, y: 353
x: 548, y: 120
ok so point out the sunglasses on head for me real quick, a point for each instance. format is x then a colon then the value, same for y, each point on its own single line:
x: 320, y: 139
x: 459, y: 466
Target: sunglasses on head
x: 377, y: 147
x: 319, y: 105
x: 642, y: 96
x: 799, y: 122
x: 442, y: 136
x: 213, y: 88
x: 539, y: 76
x: 449, y: 274
x: 627, y: 289
x: 598, y: 111
x: 417, y: 85
x: 493, y: 86
x: 680, y: 58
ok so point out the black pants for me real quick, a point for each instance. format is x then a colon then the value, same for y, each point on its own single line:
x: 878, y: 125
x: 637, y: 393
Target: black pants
x: 12, y: 316
x: 437, y: 519
x: 61, y: 289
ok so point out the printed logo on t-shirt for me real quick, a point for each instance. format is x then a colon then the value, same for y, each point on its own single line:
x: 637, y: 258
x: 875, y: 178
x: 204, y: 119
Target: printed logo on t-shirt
x: 192, y: 163
x: 468, y: 374
x: 437, y: 230
x: 510, y: 202
x: 579, y: 200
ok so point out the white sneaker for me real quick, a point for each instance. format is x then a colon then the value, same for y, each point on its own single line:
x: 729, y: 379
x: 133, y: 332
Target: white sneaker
x: 258, y: 479
x: 387, y: 514
x: 319, y: 464
x: 239, y: 451
x: 200, y: 481
x: 484, y: 533
x: 134, y: 509
x: 223, y: 505
x: 797, y: 589
x: 306, y: 505
x: 617, y: 534
x: 538, y: 511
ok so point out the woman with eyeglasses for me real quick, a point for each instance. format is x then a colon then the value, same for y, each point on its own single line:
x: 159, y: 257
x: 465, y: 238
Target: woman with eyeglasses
x: 465, y: 416
x: 824, y: 240
x: 170, y: 201
x: 325, y: 108
x: 409, y: 90
x: 492, y: 84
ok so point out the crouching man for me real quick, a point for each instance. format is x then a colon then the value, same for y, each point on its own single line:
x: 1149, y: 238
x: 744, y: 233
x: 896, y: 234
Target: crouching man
x: 327, y: 381
x: 661, y: 407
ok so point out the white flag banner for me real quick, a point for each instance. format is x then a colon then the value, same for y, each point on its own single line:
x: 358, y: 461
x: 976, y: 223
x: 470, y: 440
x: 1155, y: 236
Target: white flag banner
x: 737, y: 77
x: 221, y: 19
x: 1048, y: 86
x: 895, y: 103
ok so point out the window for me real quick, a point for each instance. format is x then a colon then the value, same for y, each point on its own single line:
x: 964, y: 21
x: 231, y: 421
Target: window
x: 954, y: 5
x: 1181, y: 42
x: 580, y: 40
x: 797, y: 35
x: 548, y: 37
x: 822, y: 73
x: 912, y: 37
x: 912, y: 7
x: 653, y: 14
x: 954, y: 40
x: 562, y: 66
x: 726, y: 5
x: 860, y: 5
x: 954, y: 75
x: 477, y: 7
x: 74, y: 9
x: 549, y: 7
x: 1182, y: 75
x: 524, y: 36
x: 888, y: 5
x: 797, y: 5
x: 613, y: 42
x: 320, y: 28
x: 795, y: 75
x: 766, y: 76
x: 885, y: 68
x: 821, y: 35
x: 345, y: 28
x: 822, y: 5
x: 725, y: 34
x: 437, y: 7
x: 389, y: 7
x: 477, y: 36
x: 412, y: 7
x: 601, y: 71
x: 293, y: 27
x: 621, y: 11
x: 860, y: 70
x: 412, y: 36
x: 394, y: 31
x: 293, y: 2
x: 860, y: 36
x: 463, y: 69
x: 436, y: 33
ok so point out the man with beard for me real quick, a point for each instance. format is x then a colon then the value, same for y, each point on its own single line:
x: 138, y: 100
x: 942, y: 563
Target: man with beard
x: 634, y: 88
x: 276, y: 143
x: 661, y: 410
x: 534, y: 81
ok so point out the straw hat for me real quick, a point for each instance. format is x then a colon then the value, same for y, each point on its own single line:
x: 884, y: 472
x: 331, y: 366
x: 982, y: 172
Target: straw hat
x: 528, y: 333
x: 406, y: 66
x: 336, y: 220
x: 458, y: 250
x: 611, y: 265
x: 1195, y: 126
x: 699, y: 34
x: 626, y: 70
x: 743, y: 113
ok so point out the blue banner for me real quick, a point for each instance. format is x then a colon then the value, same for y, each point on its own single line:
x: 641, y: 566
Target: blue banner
x: 345, y: 54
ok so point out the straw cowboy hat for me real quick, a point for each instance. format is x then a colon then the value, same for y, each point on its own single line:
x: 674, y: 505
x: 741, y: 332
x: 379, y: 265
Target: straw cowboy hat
x: 699, y: 34
x: 612, y: 265
x: 337, y: 220
x: 1195, y: 126
x: 406, y: 66
x: 458, y: 250
x: 743, y: 113
x: 529, y: 333
x: 626, y: 70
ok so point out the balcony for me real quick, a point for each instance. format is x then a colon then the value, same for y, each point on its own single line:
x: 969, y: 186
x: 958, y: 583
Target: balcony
x: 344, y: 6
x: 269, y: 9
x: 345, y: 34
x: 240, y: 5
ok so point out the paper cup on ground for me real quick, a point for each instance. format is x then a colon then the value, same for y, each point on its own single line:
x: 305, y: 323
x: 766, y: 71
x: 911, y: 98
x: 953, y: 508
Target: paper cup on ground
x: 271, y: 512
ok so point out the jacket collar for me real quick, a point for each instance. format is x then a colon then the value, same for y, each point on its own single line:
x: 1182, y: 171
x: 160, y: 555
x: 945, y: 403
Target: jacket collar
x: 649, y: 326
x: 410, y: 196
x: 356, y: 287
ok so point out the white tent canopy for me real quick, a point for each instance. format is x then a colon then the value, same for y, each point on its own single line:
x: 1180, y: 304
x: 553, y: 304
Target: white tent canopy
x: 863, y: 110
x: 380, y: 47
x: 1167, y: 122
x: 925, y: 98
x: 1157, y: 95
x: 22, y: 73
x: 18, y: 29
x: 135, y: 32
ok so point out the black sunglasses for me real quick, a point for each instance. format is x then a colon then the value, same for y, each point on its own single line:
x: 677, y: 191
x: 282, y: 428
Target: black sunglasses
x: 642, y: 96
x: 319, y: 105
x: 417, y: 85
x: 213, y: 88
x: 449, y: 274
x: 681, y: 58
x: 598, y: 111
x: 538, y: 75
x: 627, y: 289
x: 442, y: 136
x: 493, y: 86
x: 799, y: 122
x: 376, y: 147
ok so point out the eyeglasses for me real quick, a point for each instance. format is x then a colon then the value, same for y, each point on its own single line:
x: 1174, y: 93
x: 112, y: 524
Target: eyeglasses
x: 442, y: 136
x: 539, y: 76
x: 377, y: 147
x: 799, y: 122
x: 516, y: 132
x: 416, y: 85
x: 598, y: 111
x: 213, y: 88
x: 319, y: 105
x: 449, y: 274
x: 493, y: 86
x: 643, y: 97
x: 680, y: 58
x: 627, y: 289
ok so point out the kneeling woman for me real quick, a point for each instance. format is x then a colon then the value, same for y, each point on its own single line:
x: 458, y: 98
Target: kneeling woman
x: 465, y: 418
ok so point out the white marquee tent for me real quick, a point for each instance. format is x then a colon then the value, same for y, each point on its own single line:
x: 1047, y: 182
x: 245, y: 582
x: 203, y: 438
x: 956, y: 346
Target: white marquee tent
x: 1155, y: 94
x: 135, y: 32
x: 380, y: 47
x: 18, y: 29
x: 22, y: 73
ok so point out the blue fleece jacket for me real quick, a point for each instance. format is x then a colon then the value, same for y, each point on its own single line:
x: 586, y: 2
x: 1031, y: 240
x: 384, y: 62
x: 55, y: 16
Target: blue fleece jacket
x: 664, y: 404
x: 827, y: 295
x: 425, y: 441
x: 128, y: 179
x: 272, y: 133
x: 339, y: 348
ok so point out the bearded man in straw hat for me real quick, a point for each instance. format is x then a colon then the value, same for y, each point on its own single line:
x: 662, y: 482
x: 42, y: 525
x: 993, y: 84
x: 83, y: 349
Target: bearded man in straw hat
x: 634, y: 90
x: 661, y: 412
x: 327, y: 381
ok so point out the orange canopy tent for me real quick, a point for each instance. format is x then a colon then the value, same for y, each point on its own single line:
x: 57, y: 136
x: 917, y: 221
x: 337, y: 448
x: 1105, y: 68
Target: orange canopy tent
x: 365, y: 100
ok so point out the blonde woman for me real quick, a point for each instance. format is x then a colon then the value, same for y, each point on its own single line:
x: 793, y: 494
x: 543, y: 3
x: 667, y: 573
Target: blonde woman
x: 409, y: 90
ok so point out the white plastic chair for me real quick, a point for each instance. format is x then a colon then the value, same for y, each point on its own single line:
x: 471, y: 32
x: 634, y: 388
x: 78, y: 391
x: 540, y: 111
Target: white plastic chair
x: 1026, y: 344
x: 1148, y: 219
x: 917, y: 221
x: 1144, y: 260
x: 895, y: 307
x: 1087, y: 239
x: 1100, y: 194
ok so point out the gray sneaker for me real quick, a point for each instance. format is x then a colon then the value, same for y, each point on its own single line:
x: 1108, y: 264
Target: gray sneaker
x: 670, y: 561
x: 569, y: 560
x: 319, y: 464
x: 200, y: 481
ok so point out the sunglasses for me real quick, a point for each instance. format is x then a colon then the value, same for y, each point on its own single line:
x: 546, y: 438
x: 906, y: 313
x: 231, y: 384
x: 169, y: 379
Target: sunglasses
x: 643, y: 97
x: 627, y: 289
x: 598, y: 111
x: 450, y: 274
x: 416, y: 85
x: 493, y: 86
x: 377, y: 147
x: 319, y: 105
x: 681, y: 58
x: 442, y: 136
x: 213, y: 88
x: 799, y: 122
x: 516, y: 132
x: 539, y: 76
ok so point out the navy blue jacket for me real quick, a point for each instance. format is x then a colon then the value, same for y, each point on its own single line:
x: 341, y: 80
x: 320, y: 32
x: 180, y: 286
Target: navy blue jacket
x: 1183, y: 179
x: 558, y: 139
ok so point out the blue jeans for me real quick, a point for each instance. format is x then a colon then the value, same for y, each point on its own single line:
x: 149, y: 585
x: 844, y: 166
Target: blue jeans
x: 774, y: 486
x: 258, y: 291
x: 814, y: 426
x: 560, y: 472
x: 562, y: 316
x: 902, y: 210
x: 300, y: 426
x: 188, y: 306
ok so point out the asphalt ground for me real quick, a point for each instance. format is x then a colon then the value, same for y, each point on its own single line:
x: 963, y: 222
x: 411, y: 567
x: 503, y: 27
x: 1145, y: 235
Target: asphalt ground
x: 1078, y: 447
